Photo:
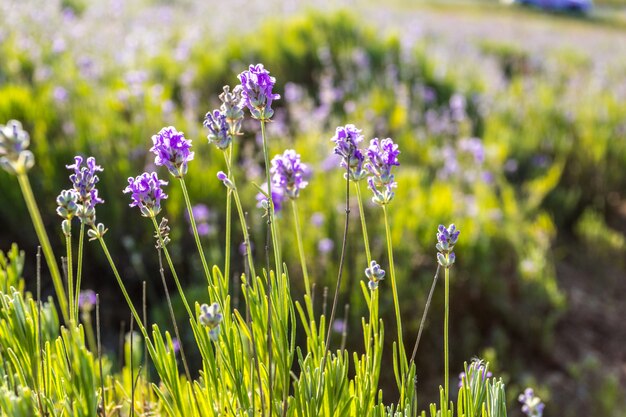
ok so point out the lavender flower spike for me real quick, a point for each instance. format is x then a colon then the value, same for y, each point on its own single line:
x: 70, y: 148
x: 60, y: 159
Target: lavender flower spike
x: 146, y: 193
x: 84, y: 180
x: 86, y: 300
x: 446, y: 239
x: 15, y: 158
x: 219, y: 129
x: 375, y: 274
x: 531, y: 404
x: 289, y: 173
x: 172, y: 150
x: 211, y: 317
x: 346, y: 140
x: 382, y: 156
x: 257, y: 85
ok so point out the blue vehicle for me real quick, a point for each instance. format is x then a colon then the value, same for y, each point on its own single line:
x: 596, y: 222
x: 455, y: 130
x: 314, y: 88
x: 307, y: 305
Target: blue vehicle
x: 577, y: 6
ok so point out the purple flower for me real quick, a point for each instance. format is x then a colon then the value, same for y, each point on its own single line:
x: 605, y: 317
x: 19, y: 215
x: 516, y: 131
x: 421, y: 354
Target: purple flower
x: 346, y: 140
x: 325, y: 245
x: 224, y: 178
x: 278, y: 198
x: 382, y: 156
x: 172, y: 150
x: 531, y: 404
x: 175, y: 345
x: 86, y: 300
x: 257, y: 84
x: 446, y: 239
x: 375, y: 274
x: 289, y: 173
x: 340, y: 326
x: 146, y: 193
x: 317, y: 219
x: 219, y: 129
x: 84, y: 180
x: 211, y: 317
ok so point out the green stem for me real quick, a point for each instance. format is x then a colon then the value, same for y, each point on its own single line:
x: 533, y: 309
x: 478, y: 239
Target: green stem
x: 122, y: 287
x: 363, y: 224
x: 70, y: 277
x: 79, y: 267
x: 228, y: 217
x: 244, y: 223
x: 446, y: 369
x: 305, y: 273
x: 91, y: 338
x: 171, y: 265
x: 195, y: 234
x: 35, y: 216
x: 394, y: 289
x: 273, y: 226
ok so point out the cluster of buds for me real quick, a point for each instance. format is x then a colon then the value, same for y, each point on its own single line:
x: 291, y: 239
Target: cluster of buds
x: 67, y: 208
x: 211, y: 317
x: 163, y: 234
x: 15, y: 158
x: 531, y: 404
x: 289, y: 174
x: 346, y: 140
x: 84, y: 180
x: 382, y: 156
x: 375, y: 274
x: 446, y: 239
x: 225, y: 123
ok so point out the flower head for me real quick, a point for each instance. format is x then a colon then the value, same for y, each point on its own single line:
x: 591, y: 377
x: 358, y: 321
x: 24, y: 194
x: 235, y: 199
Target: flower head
x: 446, y: 239
x: 67, y: 204
x: 219, y: 130
x: 86, y: 300
x: 172, y: 150
x: 382, y: 156
x: 531, y: 404
x: 15, y: 157
x: 232, y: 107
x: 375, y: 274
x: 211, y: 317
x: 257, y: 85
x: 84, y: 180
x: 346, y: 140
x: 146, y: 193
x: 289, y: 173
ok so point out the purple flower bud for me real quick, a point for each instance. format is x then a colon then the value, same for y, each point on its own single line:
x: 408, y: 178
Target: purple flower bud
x: 346, y: 140
x: 375, y: 274
x: 224, y: 178
x: 325, y: 245
x: 289, y: 173
x: 446, y: 239
x: 211, y: 317
x: 86, y: 300
x: 382, y: 156
x: 278, y: 198
x: 257, y: 85
x: 531, y: 404
x: 172, y: 150
x: 219, y: 129
x: 146, y: 193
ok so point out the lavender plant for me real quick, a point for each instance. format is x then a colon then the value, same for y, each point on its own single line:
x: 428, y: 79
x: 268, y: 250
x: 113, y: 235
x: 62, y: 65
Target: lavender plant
x: 247, y: 360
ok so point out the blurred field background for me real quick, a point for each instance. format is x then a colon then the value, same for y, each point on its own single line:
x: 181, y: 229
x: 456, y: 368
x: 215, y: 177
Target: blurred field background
x: 511, y: 122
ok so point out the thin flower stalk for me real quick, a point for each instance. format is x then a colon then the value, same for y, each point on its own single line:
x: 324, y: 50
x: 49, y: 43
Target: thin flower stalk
x: 229, y: 199
x: 394, y: 291
x: 242, y: 219
x: 42, y: 235
x: 79, y: 263
x: 271, y: 213
x: 172, y: 269
x: 196, y: 235
x: 70, y: 279
x: 305, y: 273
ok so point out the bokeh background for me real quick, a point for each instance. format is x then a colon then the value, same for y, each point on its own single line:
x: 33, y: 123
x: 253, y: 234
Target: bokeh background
x: 511, y: 122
